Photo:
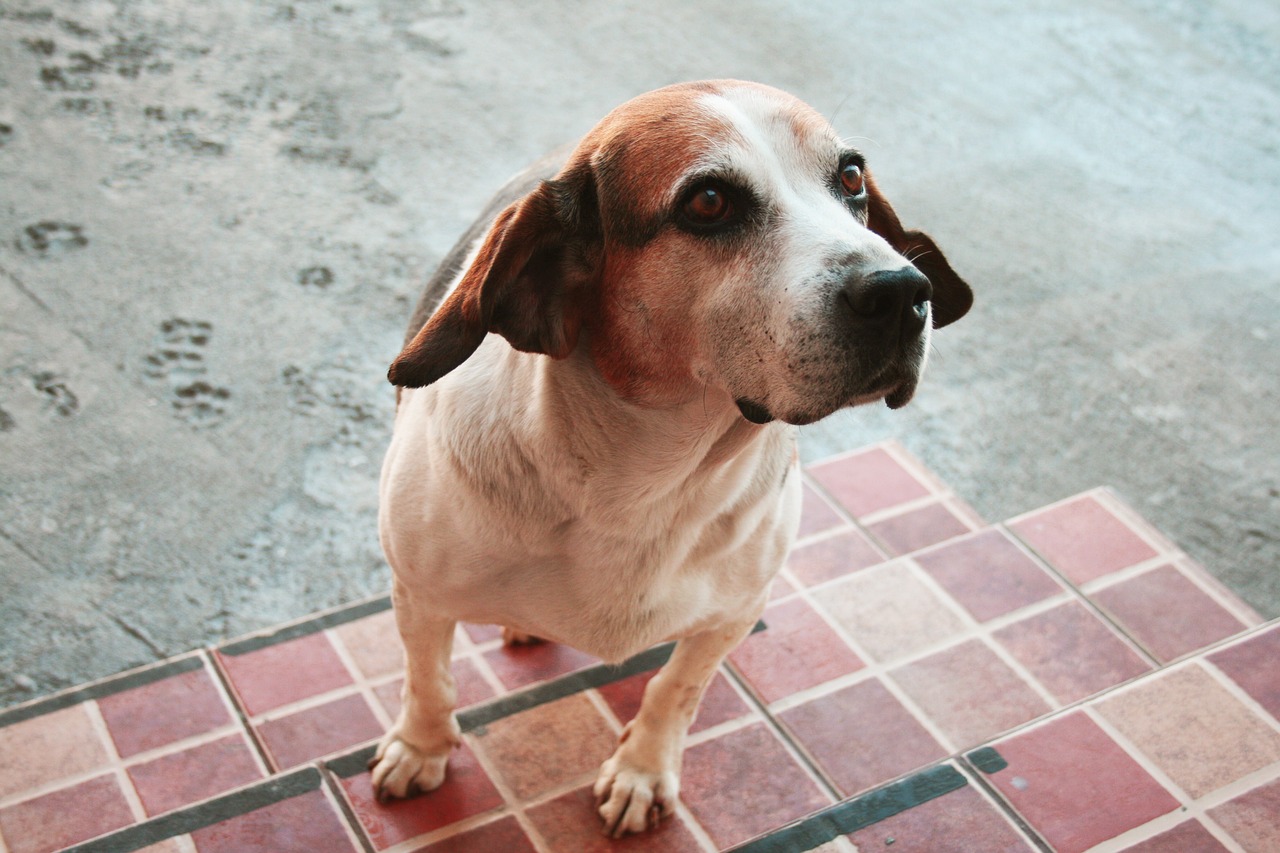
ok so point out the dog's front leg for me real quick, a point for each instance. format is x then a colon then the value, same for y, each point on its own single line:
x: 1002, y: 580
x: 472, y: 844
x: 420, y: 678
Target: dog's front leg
x: 412, y: 756
x: 639, y: 785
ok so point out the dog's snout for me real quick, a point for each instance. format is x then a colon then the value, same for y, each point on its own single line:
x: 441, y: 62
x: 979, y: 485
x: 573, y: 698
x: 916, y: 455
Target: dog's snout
x: 888, y: 297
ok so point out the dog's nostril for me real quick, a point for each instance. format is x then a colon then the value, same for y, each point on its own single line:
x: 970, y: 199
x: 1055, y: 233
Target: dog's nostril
x: 888, y: 294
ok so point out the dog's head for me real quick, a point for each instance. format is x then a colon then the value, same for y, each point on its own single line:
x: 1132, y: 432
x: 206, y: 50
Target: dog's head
x: 713, y: 235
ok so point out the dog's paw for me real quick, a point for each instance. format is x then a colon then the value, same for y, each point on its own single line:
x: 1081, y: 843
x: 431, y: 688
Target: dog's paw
x: 399, y: 769
x: 632, y: 800
x: 512, y: 637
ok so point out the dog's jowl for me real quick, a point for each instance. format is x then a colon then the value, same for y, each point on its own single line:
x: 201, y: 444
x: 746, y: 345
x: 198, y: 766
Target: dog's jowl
x: 595, y: 436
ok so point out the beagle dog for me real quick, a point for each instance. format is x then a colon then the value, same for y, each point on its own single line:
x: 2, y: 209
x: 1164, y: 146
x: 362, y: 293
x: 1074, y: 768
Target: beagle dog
x: 595, y: 439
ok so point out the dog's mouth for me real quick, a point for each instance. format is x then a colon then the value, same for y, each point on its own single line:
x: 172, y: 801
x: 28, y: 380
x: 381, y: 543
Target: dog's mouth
x: 895, y: 396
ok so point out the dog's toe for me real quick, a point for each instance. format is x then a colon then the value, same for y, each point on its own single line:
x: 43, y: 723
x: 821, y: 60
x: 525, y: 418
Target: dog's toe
x: 630, y: 800
x: 400, y: 769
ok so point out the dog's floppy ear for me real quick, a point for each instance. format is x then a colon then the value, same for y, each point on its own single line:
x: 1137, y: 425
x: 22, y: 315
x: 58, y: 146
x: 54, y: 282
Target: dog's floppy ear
x: 951, y: 296
x: 525, y: 283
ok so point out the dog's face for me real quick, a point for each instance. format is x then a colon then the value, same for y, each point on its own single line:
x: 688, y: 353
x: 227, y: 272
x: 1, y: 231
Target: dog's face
x: 712, y: 235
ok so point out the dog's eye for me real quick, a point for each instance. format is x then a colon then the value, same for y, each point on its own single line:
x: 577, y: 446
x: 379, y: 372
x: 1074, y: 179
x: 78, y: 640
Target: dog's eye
x: 852, y: 181
x: 709, y: 205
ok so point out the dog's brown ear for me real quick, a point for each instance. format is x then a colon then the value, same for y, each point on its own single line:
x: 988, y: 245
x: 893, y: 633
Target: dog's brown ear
x: 951, y: 296
x: 525, y: 283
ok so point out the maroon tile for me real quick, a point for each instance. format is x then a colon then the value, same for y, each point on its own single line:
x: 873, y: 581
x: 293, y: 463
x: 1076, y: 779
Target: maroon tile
x: 1069, y: 768
x: 1253, y: 665
x: 286, y: 672
x: 919, y: 528
x: 957, y: 822
x: 518, y: 666
x: 797, y: 650
x: 1083, y: 539
x: 1166, y: 612
x: 1071, y: 652
x: 194, y: 774
x: 466, y: 792
x: 861, y: 736
x: 470, y: 684
x: 833, y: 557
x: 164, y: 712
x: 969, y: 693
x: 1253, y: 818
x: 570, y: 822
x: 1189, y: 837
x: 62, y: 818
x: 868, y: 482
x: 303, y: 824
x: 318, y: 731
x: 768, y: 787
x: 500, y: 836
x: 988, y: 574
x: 816, y: 515
x: 719, y: 704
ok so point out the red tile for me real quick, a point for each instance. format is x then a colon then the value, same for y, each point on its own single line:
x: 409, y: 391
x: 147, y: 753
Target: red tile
x: 862, y: 736
x: 1071, y: 652
x: 797, y: 650
x: 868, y: 482
x: 719, y: 704
x: 1189, y: 837
x: 500, y: 836
x: 324, y: 729
x: 816, y: 515
x: 1075, y: 785
x: 919, y: 528
x: 303, y: 824
x: 988, y: 574
x: 833, y: 557
x: 744, y: 783
x: 969, y: 693
x: 286, y: 672
x: 62, y: 818
x: 570, y: 823
x: 518, y: 666
x: 1083, y: 539
x: 1253, y: 818
x: 471, y: 686
x: 194, y: 774
x: 1252, y: 665
x: 164, y: 712
x: 1166, y: 612
x: 957, y: 822
x: 466, y: 792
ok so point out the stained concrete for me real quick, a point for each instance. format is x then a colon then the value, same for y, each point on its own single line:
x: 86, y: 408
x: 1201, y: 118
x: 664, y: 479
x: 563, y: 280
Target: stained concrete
x: 213, y: 217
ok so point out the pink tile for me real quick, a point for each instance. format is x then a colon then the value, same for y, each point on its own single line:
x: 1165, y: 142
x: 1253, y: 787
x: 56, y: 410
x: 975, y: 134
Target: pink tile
x: 1083, y: 539
x: 797, y: 650
x: 570, y: 823
x: 285, y: 672
x: 324, y: 729
x: 816, y: 515
x: 500, y: 836
x: 1253, y: 818
x: 374, y: 644
x: 62, y: 818
x: 471, y: 686
x: 957, y: 822
x: 304, y: 824
x: 519, y: 666
x: 969, y: 693
x: 1071, y: 652
x: 833, y: 557
x: 482, y: 633
x: 1253, y: 665
x: 186, y: 777
x: 466, y: 792
x: 1189, y: 837
x: 868, y: 482
x: 988, y: 574
x: 768, y: 788
x: 44, y: 749
x: 1166, y: 612
x: 780, y: 588
x: 164, y: 712
x: 1069, y: 768
x: 719, y: 704
x: 919, y: 528
x: 861, y: 736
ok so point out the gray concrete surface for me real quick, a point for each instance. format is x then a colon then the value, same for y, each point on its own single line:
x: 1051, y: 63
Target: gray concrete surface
x: 213, y: 217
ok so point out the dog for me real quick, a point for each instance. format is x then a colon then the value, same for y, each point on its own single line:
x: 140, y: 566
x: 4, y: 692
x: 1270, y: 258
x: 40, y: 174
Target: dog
x: 594, y: 438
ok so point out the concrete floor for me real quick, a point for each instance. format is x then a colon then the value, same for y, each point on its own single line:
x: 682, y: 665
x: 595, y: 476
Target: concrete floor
x: 213, y: 219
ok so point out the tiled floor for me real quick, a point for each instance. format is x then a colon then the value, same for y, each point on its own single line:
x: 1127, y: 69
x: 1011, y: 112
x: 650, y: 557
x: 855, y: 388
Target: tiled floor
x: 925, y: 681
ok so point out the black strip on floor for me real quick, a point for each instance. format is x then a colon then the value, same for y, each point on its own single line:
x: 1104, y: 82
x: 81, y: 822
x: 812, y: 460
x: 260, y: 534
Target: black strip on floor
x: 311, y: 626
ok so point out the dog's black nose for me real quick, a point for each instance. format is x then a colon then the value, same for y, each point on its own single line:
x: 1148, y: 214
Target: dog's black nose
x: 890, y: 297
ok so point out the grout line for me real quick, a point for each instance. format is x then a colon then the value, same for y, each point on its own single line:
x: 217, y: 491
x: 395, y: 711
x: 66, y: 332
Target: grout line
x: 1138, y: 756
x: 329, y: 784
x: 222, y: 680
x: 116, y: 764
x: 986, y: 789
x: 362, y: 682
x: 1203, y: 580
x: 1238, y: 693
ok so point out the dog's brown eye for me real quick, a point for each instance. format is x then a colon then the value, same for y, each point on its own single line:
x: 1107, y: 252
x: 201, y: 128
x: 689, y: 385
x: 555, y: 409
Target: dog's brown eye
x: 708, y: 206
x: 851, y: 179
